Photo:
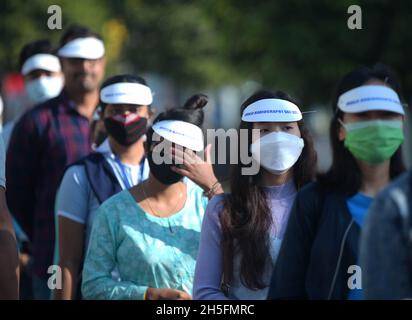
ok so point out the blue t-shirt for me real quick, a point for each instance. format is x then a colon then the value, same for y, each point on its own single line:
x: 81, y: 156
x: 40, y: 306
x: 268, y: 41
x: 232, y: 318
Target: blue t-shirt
x: 358, y: 207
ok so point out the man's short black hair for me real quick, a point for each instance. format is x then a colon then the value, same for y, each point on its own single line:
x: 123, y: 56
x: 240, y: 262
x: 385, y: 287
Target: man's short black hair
x: 35, y: 47
x: 77, y: 31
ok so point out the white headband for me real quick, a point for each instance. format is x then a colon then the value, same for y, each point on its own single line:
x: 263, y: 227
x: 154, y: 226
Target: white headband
x: 84, y: 48
x: 271, y: 110
x: 126, y: 92
x: 42, y: 61
x: 370, y: 97
x: 180, y: 132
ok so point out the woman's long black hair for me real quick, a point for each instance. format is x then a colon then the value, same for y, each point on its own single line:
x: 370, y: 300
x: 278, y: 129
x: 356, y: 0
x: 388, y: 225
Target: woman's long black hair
x: 246, y: 218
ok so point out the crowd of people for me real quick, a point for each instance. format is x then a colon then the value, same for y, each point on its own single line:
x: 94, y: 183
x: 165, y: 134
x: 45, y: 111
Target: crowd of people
x: 82, y: 187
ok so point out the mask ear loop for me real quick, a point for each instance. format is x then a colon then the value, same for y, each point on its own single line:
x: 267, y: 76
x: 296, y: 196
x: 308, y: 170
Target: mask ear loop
x: 338, y: 118
x: 341, y: 123
x: 97, y: 112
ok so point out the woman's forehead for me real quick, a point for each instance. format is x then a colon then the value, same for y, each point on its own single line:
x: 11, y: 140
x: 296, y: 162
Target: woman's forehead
x: 373, y: 113
x: 125, y: 105
x: 264, y: 125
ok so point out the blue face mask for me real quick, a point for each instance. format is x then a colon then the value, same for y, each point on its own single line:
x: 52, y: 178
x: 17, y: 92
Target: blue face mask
x: 44, y: 88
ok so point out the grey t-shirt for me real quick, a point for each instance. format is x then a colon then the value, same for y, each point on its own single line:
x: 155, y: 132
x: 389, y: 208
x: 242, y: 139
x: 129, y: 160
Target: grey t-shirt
x: 75, y: 199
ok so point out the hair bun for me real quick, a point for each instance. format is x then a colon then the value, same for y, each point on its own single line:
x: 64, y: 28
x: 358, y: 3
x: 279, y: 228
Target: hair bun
x: 192, y: 111
x: 197, y: 101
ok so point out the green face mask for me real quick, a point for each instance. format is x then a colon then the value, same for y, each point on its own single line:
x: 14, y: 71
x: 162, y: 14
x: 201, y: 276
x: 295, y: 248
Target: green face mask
x: 373, y: 141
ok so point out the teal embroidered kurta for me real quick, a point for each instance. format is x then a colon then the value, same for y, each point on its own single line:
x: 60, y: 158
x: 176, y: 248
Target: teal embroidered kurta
x: 147, y: 251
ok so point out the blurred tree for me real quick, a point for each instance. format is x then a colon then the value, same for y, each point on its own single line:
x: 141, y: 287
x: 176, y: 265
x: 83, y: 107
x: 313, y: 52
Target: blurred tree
x: 305, y: 46
x: 24, y: 21
x: 174, y: 38
x: 300, y: 46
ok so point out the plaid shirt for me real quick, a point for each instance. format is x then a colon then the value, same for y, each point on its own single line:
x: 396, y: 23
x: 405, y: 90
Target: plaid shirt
x: 45, y: 140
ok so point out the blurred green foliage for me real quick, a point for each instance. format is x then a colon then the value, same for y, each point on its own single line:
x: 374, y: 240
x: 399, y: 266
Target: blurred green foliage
x: 302, y: 46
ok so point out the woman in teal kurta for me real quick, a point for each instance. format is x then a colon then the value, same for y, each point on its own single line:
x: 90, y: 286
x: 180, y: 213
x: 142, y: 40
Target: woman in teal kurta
x: 150, y: 233
x: 148, y: 251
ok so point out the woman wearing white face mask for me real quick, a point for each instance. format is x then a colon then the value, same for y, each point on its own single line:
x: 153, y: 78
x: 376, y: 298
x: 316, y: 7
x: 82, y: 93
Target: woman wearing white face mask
x: 242, y: 231
x: 42, y: 75
x: 41, y: 70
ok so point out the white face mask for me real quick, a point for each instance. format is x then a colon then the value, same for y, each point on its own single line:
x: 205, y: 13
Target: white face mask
x: 277, y: 152
x: 44, y: 88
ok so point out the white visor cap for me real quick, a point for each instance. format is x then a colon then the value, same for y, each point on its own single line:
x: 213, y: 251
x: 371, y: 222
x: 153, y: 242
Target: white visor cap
x: 272, y: 110
x: 126, y: 93
x: 85, y: 48
x: 41, y: 61
x: 370, y: 97
x: 180, y: 132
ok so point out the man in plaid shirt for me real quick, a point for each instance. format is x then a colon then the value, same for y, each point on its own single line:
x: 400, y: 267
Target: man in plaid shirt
x: 47, y: 139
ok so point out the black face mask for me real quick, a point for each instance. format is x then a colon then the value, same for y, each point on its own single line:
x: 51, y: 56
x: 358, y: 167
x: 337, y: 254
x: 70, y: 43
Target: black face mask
x: 163, y: 172
x: 126, y: 133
